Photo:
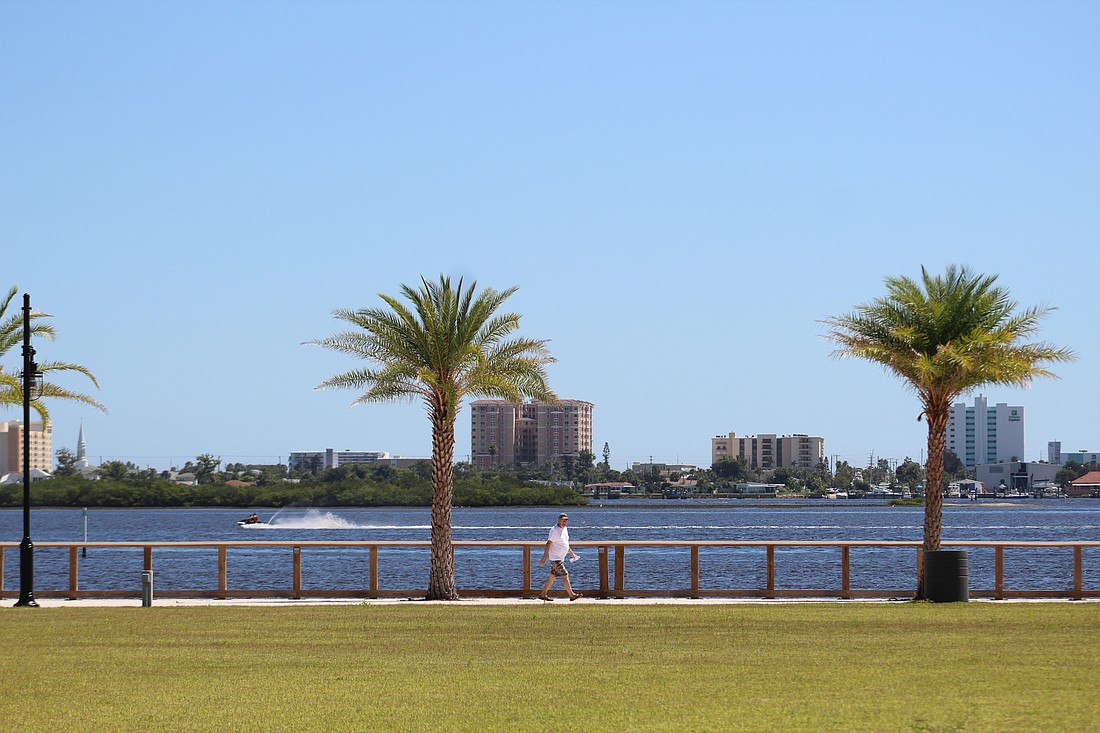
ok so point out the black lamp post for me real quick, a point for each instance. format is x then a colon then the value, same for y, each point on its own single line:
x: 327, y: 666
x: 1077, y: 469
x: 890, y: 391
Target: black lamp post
x: 32, y: 389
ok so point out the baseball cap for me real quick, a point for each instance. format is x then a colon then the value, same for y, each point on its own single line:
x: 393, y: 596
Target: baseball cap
x: 563, y: 516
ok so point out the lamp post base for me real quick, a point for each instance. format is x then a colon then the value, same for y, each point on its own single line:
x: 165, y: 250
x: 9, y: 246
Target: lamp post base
x: 26, y: 574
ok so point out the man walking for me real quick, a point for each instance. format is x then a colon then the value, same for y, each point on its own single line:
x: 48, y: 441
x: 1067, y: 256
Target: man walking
x: 557, y: 547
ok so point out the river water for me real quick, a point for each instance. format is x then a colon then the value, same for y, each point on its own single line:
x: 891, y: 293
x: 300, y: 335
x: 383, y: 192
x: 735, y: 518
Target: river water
x: 659, y: 568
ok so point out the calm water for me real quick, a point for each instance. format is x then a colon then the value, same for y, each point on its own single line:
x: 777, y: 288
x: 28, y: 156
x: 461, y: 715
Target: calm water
x: 403, y: 568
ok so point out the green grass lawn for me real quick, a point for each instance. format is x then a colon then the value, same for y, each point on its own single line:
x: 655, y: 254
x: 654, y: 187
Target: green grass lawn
x: 544, y: 667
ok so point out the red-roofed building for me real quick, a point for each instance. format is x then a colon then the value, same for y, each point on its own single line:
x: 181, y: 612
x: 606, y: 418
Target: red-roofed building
x: 1086, y: 486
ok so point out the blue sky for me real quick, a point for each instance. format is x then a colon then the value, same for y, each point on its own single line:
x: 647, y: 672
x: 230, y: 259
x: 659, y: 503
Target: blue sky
x: 680, y: 190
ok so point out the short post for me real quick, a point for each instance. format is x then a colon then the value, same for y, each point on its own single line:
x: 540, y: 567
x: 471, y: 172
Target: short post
x: 146, y: 588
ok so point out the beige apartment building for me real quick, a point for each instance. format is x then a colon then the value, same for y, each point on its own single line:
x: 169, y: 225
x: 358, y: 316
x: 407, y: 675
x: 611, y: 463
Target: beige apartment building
x: 769, y: 451
x: 11, y: 447
x: 532, y: 433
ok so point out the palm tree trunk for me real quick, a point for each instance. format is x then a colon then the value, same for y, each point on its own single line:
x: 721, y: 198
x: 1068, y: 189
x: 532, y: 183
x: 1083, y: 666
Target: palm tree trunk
x: 936, y: 415
x: 441, y: 573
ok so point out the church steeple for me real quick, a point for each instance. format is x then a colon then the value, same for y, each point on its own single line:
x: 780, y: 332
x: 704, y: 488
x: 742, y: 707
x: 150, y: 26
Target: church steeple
x: 81, y: 449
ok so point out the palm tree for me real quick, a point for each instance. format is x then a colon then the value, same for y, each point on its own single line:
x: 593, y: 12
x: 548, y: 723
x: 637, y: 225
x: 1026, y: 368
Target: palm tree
x: 446, y: 343
x: 944, y: 336
x: 11, y: 387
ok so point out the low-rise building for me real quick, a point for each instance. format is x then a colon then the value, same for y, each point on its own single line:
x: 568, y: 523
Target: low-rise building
x: 610, y: 489
x: 643, y: 468
x: 1086, y: 486
x: 1023, y: 476
x: 319, y: 460
x: 1083, y: 457
x: 768, y: 451
x: 15, y: 477
x: 329, y: 458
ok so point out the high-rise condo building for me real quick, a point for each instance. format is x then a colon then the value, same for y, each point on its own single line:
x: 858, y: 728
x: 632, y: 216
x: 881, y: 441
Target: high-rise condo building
x: 513, y: 434
x: 982, y: 434
x: 11, y: 446
x: 769, y: 451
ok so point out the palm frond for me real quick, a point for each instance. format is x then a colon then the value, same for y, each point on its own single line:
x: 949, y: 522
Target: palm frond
x: 441, y: 341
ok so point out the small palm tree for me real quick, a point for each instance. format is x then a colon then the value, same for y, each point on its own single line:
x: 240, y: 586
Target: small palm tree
x: 11, y: 386
x: 944, y: 336
x: 445, y: 344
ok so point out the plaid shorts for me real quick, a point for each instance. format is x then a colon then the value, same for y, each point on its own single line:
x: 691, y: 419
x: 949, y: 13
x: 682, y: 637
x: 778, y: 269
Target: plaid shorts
x: 557, y: 568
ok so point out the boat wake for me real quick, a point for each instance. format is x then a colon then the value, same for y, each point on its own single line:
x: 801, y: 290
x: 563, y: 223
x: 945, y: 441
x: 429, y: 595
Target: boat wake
x: 315, y: 519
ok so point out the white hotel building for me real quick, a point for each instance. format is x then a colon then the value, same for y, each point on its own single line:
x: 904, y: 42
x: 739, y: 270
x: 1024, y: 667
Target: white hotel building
x: 982, y: 434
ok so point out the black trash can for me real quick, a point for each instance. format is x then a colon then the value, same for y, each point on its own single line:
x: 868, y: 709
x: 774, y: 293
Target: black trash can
x: 946, y: 576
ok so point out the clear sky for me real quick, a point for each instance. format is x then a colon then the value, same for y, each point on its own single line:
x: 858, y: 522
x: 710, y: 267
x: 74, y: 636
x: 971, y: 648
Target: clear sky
x: 680, y: 190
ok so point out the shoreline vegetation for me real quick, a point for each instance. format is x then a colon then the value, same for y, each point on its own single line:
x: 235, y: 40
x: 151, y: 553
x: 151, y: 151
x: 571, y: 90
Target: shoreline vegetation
x: 118, y: 485
x: 399, y: 489
x: 393, y: 488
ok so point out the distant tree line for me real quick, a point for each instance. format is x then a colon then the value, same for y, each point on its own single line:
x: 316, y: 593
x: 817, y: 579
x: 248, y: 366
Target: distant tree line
x: 125, y: 485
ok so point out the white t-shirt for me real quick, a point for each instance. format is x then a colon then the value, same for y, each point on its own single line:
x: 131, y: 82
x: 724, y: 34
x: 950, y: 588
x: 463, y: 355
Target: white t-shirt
x: 559, y: 542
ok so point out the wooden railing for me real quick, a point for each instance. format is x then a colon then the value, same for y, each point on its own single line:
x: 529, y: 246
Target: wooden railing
x: 612, y: 570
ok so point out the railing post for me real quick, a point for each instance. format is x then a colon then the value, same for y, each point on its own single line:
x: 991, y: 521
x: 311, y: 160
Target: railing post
x: 526, y: 568
x: 147, y: 558
x: 223, y: 565
x: 605, y: 585
x: 920, y: 566
x: 620, y: 569
x: 845, y: 571
x: 999, y: 572
x: 1, y: 569
x: 73, y: 572
x: 296, y: 577
x: 695, y: 571
x: 1078, y: 572
x: 374, y: 569
x: 771, y: 572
